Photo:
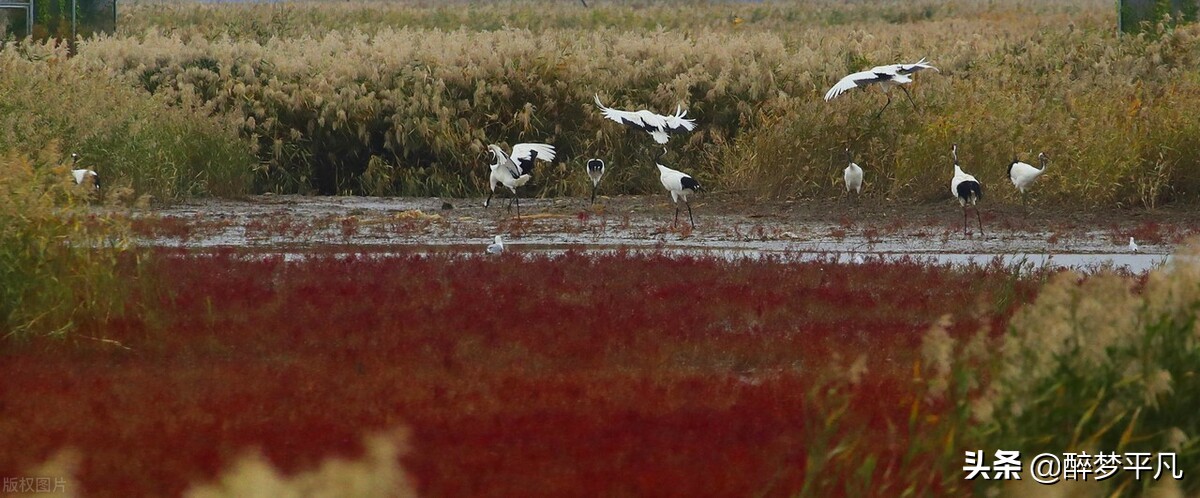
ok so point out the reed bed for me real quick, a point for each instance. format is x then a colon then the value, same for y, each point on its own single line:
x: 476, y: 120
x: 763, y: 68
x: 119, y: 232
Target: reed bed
x: 1095, y: 364
x: 57, y: 260
x: 130, y: 138
x: 57, y: 251
x: 399, y: 99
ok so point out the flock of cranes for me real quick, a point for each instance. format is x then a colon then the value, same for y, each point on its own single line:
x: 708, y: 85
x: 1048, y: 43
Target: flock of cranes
x: 514, y: 170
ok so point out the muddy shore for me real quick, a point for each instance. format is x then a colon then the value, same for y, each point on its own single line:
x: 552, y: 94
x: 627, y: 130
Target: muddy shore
x: 723, y: 223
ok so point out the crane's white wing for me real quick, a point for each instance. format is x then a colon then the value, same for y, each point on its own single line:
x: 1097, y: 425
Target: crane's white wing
x: 916, y: 66
x: 634, y: 119
x: 524, y: 155
x: 80, y: 175
x: 525, y: 152
x: 1018, y: 169
x: 1022, y: 174
x: 502, y: 162
x: 855, y: 80
x: 888, y: 69
x: 512, y: 183
x: 649, y: 121
x: 677, y: 123
x: 903, y: 69
x: 506, y: 173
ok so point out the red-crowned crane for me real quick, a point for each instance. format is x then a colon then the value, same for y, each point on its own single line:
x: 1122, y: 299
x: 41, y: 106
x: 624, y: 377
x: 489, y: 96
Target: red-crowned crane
x: 1023, y: 175
x: 885, y: 76
x: 853, y: 175
x: 514, y: 170
x: 83, y: 175
x: 967, y: 189
x: 595, y: 170
x: 657, y: 125
x: 680, y: 185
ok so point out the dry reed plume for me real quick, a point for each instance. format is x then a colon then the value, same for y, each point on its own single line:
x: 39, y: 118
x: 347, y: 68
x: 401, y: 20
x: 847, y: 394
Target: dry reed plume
x: 341, y: 99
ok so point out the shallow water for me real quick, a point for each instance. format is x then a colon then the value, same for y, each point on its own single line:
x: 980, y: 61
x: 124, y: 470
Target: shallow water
x: 1135, y: 263
x: 421, y: 225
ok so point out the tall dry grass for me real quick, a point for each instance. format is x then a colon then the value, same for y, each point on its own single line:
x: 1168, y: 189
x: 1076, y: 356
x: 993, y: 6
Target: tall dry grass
x: 58, y: 261
x: 377, y: 474
x: 1112, y: 114
x: 1102, y: 363
x: 429, y: 102
x: 132, y: 139
x: 263, y: 21
x: 384, y: 98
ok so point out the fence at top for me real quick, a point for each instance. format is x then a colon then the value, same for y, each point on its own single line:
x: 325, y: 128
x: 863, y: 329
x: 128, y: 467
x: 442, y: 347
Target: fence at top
x: 61, y: 19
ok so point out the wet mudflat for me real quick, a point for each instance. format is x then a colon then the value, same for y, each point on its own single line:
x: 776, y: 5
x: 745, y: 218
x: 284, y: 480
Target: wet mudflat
x: 725, y: 226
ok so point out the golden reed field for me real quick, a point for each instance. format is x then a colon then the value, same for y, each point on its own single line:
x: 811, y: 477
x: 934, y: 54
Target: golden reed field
x: 402, y: 98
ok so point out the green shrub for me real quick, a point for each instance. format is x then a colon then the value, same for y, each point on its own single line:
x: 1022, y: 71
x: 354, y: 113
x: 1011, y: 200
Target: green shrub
x: 58, y: 261
x: 1103, y: 363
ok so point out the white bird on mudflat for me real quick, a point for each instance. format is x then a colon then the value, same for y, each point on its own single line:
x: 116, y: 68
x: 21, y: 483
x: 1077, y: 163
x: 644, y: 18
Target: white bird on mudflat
x: 657, y: 125
x: 886, y: 76
x: 680, y: 185
x: 82, y: 175
x: 496, y: 247
x: 967, y: 189
x: 1133, y: 247
x: 1023, y: 175
x: 595, y: 170
x: 514, y: 170
x: 853, y: 175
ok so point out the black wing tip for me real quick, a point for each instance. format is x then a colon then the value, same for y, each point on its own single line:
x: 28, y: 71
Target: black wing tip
x: 689, y: 183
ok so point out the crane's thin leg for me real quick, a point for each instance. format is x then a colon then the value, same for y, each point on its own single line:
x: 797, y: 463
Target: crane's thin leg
x: 518, y: 199
x: 980, y: 218
x: 689, y: 206
x: 489, y: 199
x: 910, y: 99
x: 676, y: 215
x: 1025, y: 203
x: 964, y: 220
x: 889, y: 102
x: 593, y: 195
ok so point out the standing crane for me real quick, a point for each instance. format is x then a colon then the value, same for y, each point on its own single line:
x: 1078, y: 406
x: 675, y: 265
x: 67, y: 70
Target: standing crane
x: 1023, y: 175
x: 853, y: 176
x: 967, y: 189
